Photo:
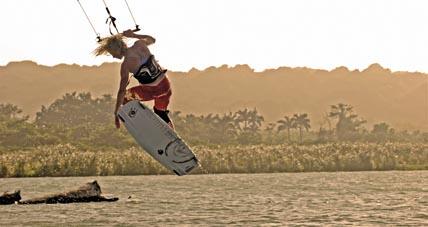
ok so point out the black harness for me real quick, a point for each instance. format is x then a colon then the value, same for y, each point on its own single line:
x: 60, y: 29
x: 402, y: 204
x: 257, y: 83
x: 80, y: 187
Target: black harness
x: 149, y: 71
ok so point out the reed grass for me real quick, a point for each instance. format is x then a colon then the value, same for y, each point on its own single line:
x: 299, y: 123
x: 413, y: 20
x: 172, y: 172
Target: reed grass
x: 68, y: 160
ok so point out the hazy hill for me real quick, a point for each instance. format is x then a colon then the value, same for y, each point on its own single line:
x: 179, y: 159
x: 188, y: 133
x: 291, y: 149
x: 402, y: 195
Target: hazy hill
x: 399, y: 98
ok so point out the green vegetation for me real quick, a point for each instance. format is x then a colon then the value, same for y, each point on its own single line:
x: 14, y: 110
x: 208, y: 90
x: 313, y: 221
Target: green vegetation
x: 75, y: 136
x: 67, y: 160
x: 87, y: 123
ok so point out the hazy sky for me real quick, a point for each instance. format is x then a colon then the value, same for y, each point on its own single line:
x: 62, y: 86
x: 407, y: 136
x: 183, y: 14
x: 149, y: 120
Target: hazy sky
x: 200, y: 33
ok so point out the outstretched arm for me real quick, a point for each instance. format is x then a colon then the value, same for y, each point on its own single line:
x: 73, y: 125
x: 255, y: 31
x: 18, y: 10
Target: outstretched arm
x: 124, y: 79
x: 148, y: 40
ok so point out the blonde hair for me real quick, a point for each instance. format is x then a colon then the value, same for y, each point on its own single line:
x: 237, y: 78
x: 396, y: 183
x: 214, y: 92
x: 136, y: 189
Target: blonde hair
x: 112, y: 44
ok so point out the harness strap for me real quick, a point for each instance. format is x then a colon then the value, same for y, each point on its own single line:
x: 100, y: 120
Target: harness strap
x: 149, y: 71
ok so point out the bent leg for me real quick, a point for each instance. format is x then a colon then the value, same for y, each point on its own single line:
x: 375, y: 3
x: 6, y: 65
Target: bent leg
x: 160, y: 94
x: 161, y: 107
x: 137, y: 93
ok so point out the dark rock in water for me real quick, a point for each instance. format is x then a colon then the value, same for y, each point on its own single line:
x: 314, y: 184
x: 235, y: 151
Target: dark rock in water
x: 10, y: 197
x: 90, y: 192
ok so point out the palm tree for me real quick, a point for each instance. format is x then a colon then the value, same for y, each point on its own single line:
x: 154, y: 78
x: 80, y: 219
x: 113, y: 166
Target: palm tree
x: 249, y: 119
x: 347, y: 121
x: 225, y: 127
x: 302, y: 122
x: 227, y: 122
x: 242, y: 119
x: 255, y: 120
x: 286, y: 124
x: 340, y: 111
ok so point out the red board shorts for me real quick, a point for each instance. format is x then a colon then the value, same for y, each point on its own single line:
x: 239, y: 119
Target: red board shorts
x: 160, y: 93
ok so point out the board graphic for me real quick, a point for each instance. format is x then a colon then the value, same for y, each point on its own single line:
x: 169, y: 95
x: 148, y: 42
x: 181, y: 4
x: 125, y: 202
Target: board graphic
x: 157, y: 138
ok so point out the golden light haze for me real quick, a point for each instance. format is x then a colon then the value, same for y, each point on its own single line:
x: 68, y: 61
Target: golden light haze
x: 205, y: 35
x: 261, y: 33
x: 377, y: 94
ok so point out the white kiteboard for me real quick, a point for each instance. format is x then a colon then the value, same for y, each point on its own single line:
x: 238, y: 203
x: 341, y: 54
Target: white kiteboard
x: 157, y: 138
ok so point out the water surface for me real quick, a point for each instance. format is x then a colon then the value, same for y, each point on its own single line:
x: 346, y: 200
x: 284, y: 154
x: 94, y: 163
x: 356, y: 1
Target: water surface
x: 315, y: 199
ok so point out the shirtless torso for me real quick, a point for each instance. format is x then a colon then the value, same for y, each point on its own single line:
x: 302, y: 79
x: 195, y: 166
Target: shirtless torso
x: 158, y: 86
x: 137, y: 55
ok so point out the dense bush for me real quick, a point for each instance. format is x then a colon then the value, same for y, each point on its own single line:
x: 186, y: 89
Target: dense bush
x: 87, y: 122
x: 75, y: 136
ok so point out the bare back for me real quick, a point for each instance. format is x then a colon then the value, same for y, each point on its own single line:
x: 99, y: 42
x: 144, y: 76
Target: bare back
x: 135, y: 56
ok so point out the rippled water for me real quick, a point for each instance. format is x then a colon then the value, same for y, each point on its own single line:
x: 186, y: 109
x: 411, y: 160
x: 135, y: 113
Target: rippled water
x: 316, y: 199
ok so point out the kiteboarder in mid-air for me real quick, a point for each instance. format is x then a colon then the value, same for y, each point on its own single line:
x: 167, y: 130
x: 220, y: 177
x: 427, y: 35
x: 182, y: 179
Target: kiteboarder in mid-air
x: 159, y: 140
x: 137, y: 60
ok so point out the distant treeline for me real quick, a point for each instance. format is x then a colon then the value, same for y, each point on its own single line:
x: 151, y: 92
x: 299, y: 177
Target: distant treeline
x: 87, y: 122
x: 377, y: 93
